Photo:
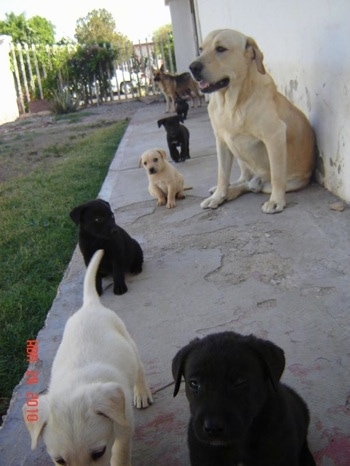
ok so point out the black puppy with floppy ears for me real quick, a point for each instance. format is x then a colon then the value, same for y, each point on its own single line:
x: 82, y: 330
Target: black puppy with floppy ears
x: 177, y: 136
x: 98, y: 230
x: 241, y: 414
x: 181, y: 107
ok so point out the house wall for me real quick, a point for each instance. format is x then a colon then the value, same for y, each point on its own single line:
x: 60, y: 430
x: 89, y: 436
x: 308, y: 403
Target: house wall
x: 184, y: 33
x: 8, y: 108
x: 306, y: 50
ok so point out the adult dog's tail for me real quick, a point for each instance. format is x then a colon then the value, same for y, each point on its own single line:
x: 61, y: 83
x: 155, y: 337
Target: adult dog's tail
x: 90, y: 292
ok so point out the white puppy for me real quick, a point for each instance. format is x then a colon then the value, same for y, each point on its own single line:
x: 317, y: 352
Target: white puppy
x: 165, y: 182
x: 86, y: 418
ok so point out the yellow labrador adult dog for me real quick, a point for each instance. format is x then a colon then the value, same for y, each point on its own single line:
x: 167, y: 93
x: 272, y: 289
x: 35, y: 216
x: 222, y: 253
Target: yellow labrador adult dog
x: 271, y: 139
x: 166, y: 183
x: 86, y: 417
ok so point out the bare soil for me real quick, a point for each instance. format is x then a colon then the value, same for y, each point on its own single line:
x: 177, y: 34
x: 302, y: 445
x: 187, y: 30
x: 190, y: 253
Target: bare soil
x: 37, y: 138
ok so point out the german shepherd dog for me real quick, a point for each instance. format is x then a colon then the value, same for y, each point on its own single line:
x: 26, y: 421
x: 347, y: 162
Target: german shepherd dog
x: 182, y: 84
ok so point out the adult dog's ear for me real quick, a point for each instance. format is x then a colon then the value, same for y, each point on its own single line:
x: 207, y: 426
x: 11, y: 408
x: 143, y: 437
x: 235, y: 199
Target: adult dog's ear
x: 272, y: 357
x: 255, y: 53
x: 179, y: 362
x: 160, y: 122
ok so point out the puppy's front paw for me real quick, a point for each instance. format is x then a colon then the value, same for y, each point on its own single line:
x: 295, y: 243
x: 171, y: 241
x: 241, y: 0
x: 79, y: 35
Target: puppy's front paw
x: 120, y: 288
x: 273, y: 207
x: 170, y: 204
x: 161, y: 201
x: 142, y: 397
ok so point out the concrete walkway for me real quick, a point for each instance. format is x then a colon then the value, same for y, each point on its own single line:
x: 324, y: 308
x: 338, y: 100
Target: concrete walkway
x: 283, y: 277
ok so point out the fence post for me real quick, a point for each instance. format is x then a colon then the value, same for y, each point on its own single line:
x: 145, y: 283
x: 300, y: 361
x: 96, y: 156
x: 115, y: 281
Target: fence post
x: 8, y: 108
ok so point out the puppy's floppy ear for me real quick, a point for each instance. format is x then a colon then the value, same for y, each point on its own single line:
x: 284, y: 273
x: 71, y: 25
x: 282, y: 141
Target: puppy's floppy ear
x: 179, y: 362
x: 75, y: 214
x: 35, y: 428
x: 255, y: 53
x: 161, y: 122
x: 272, y: 357
x: 140, y: 162
x: 105, y: 202
x: 162, y: 153
x: 108, y: 399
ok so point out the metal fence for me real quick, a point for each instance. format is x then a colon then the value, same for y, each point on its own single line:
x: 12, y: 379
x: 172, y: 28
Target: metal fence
x: 126, y: 77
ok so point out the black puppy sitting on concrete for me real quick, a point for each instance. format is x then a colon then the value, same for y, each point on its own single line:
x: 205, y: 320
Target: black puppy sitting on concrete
x: 98, y: 230
x: 181, y: 107
x: 241, y: 414
x: 177, y: 136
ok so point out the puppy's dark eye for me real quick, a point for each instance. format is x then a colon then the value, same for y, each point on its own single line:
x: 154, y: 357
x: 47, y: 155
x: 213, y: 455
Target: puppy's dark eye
x: 238, y: 383
x: 194, y: 385
x: 220, y: 49
x: 96, y: 455
x: 155, y: 160
x: 60, y: 461
x: 145, y: 163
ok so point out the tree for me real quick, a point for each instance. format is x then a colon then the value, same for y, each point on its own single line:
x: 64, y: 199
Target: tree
x: 99, y: 27
x: 164, y: 39
x: 36, y: 30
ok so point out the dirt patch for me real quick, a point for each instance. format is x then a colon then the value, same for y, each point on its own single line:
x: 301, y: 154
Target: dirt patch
x: 34, y: 139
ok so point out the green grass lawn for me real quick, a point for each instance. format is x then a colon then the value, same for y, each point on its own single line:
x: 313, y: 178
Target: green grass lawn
x: 37, y: 239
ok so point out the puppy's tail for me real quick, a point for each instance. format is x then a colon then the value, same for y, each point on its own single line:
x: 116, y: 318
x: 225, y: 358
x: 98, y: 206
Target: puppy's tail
x: 90, y: 292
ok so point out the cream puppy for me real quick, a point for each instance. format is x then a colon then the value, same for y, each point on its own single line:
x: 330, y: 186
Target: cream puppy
x: 165, y: 183
x: 86, y: 418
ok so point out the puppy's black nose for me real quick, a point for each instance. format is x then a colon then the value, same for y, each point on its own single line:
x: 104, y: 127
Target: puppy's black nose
x: 196, y: 68
x: 152, y: 171
x: 212, y: 427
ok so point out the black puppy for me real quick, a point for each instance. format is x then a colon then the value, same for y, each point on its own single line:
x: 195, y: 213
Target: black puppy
x: 240, y: 412
x: 98, y: 230
x: 181, y: 107
x: 177, y: 135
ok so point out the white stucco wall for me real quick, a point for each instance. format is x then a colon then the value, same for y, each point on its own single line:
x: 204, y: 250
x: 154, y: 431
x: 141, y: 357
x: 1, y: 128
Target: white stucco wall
x: 184, y: 33
x: 8, y: 108
x: 306, y: 50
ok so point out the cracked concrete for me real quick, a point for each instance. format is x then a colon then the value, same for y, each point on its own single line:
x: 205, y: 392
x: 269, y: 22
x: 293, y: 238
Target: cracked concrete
x: 283, y: 277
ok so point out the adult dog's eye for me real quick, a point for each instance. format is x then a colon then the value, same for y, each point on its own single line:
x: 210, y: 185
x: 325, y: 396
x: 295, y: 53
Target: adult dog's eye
x: 99, y: 220
x: 60, y: 461
x: 95, y: 455
x: 220, y: 49
x: 194, y: 385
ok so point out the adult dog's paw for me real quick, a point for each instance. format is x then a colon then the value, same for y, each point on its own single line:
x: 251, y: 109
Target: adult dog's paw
x: 211, y: 202
x: 273, y: 207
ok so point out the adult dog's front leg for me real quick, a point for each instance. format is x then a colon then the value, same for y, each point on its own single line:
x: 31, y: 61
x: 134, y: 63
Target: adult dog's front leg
x: 225, y: 160
x: 277, y: 151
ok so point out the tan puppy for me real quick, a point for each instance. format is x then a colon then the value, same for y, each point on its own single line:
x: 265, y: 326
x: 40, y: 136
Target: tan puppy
x: 165, y: 183
x: 86, y: 417
x: 271, y: 139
